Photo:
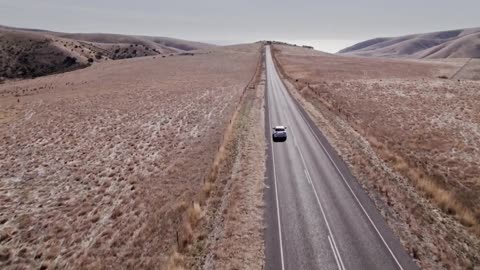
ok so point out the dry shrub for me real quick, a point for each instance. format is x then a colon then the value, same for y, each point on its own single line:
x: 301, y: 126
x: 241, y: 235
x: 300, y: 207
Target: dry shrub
x: 194, y: 214
x: 175, y: 262
x: 5, y: 254
x: 185, y: 237
x: 207, y: 189
x: 444, y: 198
x: 181, y: 207
x: 117, y: 212
x: 192, y: 217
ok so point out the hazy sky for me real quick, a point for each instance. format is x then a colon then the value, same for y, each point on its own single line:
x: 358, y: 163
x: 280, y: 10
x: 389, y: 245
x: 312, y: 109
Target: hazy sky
x: 339, y: 23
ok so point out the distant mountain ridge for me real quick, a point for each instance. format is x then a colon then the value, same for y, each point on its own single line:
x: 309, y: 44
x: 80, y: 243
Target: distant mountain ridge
x: 460, y: 43
x: 28, y: 53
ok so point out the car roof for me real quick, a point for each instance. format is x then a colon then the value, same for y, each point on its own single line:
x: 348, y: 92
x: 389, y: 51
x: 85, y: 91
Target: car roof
x: 279, y: 127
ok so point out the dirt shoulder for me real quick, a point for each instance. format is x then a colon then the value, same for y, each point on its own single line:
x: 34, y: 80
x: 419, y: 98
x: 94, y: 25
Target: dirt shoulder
x: 98, y: 166
x: 408, y: 137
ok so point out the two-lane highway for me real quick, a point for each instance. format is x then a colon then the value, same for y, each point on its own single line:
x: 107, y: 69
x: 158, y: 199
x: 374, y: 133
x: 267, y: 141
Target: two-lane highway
x: 318, y: 216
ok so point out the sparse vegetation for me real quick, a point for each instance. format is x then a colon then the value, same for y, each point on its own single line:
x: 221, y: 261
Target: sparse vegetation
x: 70, y: 61
x: 98, y: 55
x: 27, y: 54
x: 410, y: 139
x: 119, y: 205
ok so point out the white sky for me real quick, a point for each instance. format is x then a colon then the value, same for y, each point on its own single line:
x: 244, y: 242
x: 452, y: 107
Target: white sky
x: 327, y: 25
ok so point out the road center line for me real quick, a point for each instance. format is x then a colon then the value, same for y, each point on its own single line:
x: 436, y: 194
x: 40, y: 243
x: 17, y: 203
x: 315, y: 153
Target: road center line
x: 275, y: 174
x: 353, y: 193
x: 336, y: 253
x: 297, y: 110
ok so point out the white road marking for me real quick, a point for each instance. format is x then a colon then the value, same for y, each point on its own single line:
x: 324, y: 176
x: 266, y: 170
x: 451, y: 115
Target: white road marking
x: 308, y: 177
x: 276, y: 190
x: 348, y: 185
x: 336, y: 253
x: 331, y: 239
x: 353, y: 193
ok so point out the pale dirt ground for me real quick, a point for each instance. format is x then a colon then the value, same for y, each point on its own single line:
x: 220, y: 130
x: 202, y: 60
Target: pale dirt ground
x: 395, y: 123
x: 98, y: 165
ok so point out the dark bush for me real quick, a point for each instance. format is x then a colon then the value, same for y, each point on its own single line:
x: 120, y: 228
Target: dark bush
x: 69, y: 61
x: 90, y: 60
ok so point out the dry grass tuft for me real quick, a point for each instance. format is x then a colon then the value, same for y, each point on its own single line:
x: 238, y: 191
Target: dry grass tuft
x: 186, y: 235
x: 207, y: 189
x: 445, y: 200
x: 175, y: 262
x: 194, y: 214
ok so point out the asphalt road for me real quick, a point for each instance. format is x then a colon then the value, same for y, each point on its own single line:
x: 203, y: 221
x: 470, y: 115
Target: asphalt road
x: 318, y: 216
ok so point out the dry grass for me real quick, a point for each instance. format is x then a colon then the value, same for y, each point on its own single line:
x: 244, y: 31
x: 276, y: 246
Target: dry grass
x: 236, y: 239
x: 26, y: 54
x: 99, y: 166
x: 194, y: 214
x: 175, y: 262
x: 445, y: 199
x: 402, y: 121
x: 191, y: 236
x: 411, y: 138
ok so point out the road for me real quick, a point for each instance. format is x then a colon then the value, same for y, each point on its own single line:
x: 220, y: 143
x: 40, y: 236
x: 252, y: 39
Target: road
x: 318, y: 216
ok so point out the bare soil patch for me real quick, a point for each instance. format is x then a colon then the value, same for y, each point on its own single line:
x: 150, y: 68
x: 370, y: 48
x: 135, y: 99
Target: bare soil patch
x: 97, y: 166
x: 410, y: 138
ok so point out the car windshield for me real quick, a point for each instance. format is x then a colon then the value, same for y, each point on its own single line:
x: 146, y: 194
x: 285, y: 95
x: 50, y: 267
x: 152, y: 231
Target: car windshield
x: 279, y: 129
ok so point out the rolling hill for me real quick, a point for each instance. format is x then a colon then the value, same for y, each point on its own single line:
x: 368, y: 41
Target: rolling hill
x: 461, y: 43
x: 29, y: 53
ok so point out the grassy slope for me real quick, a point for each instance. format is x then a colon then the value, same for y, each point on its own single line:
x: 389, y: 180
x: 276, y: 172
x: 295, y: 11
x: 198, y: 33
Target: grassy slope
x: 32, y: 53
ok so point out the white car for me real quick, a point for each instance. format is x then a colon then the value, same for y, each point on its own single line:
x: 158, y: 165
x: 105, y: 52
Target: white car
x: 279, y: 134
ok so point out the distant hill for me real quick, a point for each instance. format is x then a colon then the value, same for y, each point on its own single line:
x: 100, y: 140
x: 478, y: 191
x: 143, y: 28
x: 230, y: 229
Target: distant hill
x: 461, y: 43
x: 28, y: 53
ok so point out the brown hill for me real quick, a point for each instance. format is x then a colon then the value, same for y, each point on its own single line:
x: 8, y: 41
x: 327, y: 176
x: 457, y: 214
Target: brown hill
x: 28, y: 53
x: 461, y: 43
